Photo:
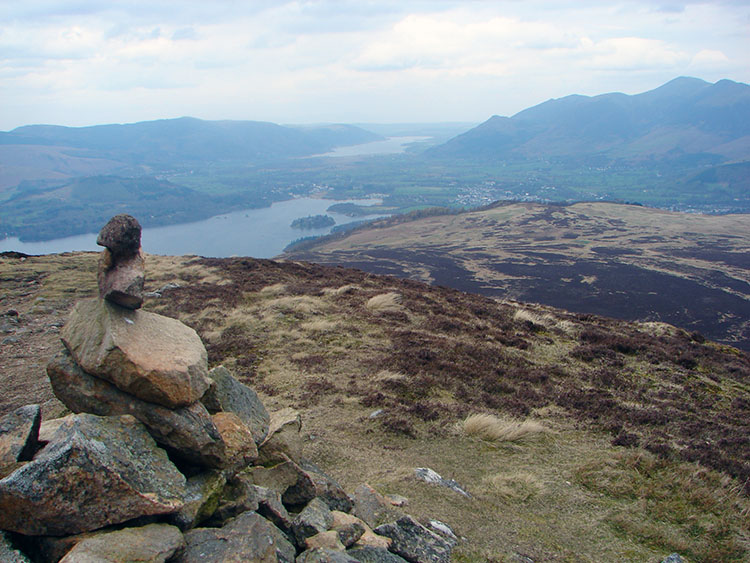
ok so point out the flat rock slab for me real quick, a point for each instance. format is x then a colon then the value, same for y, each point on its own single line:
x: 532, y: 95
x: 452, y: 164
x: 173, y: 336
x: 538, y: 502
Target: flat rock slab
x: 96, y: 471
x: 188, y: 431
x: 154, y: 543
x: 19, y: 432
x: 414, y: 542
x: 154, y: 358
x: 226, y: 394
x: 249, y: 537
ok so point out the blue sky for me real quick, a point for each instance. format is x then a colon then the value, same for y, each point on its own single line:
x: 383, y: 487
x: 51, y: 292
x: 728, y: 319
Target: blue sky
x: 83, y: 62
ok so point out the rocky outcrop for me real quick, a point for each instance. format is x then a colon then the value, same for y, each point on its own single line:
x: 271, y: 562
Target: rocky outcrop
x: 151, y: 357
x: 96, y: 471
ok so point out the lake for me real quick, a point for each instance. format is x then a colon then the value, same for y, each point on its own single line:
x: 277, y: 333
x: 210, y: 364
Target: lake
x: 391, y: 145
x: 260, y: 233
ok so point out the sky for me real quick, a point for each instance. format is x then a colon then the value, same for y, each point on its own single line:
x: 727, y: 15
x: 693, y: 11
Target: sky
x: 86, y: 62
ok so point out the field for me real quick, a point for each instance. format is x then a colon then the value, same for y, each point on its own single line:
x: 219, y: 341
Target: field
x: 638, y: 445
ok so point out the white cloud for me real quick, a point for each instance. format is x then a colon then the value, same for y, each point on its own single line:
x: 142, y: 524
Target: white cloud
x: 80, y: 62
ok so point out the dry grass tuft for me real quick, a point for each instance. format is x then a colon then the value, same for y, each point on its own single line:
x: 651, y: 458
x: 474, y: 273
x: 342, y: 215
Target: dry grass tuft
x: 494, y: 429
x: 385, y: 302
x: 515, y: 486
x: 343, y: 290
x: 275, y: 289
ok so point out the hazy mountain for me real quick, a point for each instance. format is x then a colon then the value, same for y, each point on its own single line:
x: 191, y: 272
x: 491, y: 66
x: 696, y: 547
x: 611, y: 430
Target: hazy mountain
x: 686, y: 116
x: 190, y: 139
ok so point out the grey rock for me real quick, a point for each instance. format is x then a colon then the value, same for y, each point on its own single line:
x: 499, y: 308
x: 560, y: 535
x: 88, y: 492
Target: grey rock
x: 312, y: 483
x: 153, y: 543
x: 369, y: 554
x: 189, y: 431
x: 429, y: 476
x: 322, y: 555
x: 202, y: 496
x: 443, y: 530
x: 239, y: 495
x: 19, y: 433
x: 226, y: 394
x: 271, y: 507
x: 248, y: 537
x: 8, y: 553
x: 278, y: 477
x: 350, y: 533
x: 285, y: 548
x: 96, y: 471
x: 149, y: 356
x: 315, y: 518
x: 121, y: 235
x: 372, y: 507
x: 284, y: 439
x: 414, y: 542
x: 673, y: 558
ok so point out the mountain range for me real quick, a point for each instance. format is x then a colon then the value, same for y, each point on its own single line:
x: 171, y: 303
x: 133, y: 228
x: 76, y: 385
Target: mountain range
x: 686, y: 118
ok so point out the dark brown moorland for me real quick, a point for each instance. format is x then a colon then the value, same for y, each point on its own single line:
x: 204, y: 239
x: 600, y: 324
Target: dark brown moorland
x: 646, y: 450
x: 615, y: 260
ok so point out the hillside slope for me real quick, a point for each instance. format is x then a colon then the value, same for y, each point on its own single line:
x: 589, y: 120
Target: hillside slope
x: 622, y: 261
x: 384, y: 370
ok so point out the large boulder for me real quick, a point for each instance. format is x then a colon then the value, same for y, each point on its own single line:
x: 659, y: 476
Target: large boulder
x: 96, y: 471
x: 226, y: 394
x: 19, y: 431
x: 189, y: 431
x: 249, y: 537
x: 153, y: 543
x: 414, y: 542
x: 371, y: 506
x: 154, y: 358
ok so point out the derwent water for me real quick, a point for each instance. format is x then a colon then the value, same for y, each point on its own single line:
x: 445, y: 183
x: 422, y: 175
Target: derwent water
x: 260, y: 233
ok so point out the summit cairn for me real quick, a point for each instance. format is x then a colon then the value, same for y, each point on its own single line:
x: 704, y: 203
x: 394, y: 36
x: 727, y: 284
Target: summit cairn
x: 164, y: 460
x: 121, y: 266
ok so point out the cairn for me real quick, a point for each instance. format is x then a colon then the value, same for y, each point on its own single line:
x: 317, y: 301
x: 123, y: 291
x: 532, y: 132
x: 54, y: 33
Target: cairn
x: 166, y: 460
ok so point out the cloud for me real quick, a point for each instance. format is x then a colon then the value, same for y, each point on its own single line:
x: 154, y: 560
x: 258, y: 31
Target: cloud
x: 303, y: 60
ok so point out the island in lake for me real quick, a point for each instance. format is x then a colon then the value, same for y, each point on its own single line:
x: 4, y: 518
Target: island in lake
x: 313, y: 222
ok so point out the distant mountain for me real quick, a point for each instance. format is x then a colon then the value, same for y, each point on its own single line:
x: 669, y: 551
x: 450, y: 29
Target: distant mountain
x: 686, y: 117
x: 191, y: 140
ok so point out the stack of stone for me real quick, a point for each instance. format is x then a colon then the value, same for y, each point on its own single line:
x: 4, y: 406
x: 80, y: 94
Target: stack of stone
x: 161, y: 446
